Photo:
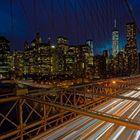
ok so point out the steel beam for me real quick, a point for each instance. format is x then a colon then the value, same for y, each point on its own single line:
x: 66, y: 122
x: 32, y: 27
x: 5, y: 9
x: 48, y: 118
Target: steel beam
x: 94, y: 114
x: 9, y: 99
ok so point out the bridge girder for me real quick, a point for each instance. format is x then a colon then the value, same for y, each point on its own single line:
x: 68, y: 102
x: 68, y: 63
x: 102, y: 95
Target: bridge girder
x: 65, y: 101
x: 94, y: 114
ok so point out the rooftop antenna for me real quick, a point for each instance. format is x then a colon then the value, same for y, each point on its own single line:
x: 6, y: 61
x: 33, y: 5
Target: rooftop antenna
x: 115, y: 23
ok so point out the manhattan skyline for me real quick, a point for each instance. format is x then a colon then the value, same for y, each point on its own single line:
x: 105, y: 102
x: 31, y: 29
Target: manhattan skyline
x: 80, y: 21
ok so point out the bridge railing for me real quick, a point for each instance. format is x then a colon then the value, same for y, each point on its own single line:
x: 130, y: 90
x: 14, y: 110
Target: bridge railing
x: 131, y: 123
x: 22, y: 119
x: 26, y: 118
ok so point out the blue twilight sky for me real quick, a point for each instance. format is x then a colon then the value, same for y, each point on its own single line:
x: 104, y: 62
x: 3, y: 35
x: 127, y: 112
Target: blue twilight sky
x: 78, y: 20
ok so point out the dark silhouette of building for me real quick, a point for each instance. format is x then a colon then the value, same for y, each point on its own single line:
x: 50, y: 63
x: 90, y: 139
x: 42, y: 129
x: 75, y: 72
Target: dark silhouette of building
x: 120, y: 64
x: 106, y: 53
x: 99, y: 66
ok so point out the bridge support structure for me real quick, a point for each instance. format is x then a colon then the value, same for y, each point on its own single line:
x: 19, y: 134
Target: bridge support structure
x: 34, y: 113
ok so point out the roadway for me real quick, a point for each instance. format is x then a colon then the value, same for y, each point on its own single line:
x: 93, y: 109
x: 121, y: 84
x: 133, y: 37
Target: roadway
x: 86, y: 128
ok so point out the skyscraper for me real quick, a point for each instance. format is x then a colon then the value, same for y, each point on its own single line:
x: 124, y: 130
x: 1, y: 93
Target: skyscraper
x: 90, y: 44
x: 4, y: 58
x: 115, y: 40
x: 131, y: 47
x: 62, y: 48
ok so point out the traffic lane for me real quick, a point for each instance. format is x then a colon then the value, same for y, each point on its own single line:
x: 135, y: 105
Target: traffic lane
x: 74, y: 133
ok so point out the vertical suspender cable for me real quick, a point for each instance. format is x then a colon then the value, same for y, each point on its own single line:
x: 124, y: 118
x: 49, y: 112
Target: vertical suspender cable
x: 74, y: 16
x: 74, y: 5
x: 65, y: 16
x: 95, y: 27
x: 84, y: 23
x: 48, y: 15
x: 131, y: 14
x: 35, y: 14
x: 77, y: 23
x: 53, y: 17
x: 25, y: 14
x: 12, y: 18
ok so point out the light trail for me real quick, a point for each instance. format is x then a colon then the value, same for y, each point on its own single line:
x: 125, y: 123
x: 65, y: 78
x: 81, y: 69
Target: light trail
x: 86, y: 128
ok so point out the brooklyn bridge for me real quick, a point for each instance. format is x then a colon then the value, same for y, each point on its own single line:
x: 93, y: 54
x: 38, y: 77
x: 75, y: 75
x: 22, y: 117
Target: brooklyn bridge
x: 54, y: 89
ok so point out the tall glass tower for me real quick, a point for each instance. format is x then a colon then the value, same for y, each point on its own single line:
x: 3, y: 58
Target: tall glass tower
x: 115, y: 40
x: 4, y: 58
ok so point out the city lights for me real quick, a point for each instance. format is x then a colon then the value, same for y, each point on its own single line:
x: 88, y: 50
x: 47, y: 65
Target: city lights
x: 53, y: 46
x: 42, y: 61
x: 114, y: 82
x: 68, y: 72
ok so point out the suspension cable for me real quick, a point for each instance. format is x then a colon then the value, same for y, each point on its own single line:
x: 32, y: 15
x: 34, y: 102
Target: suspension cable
x: 12, y: 18
x: 131, y: 14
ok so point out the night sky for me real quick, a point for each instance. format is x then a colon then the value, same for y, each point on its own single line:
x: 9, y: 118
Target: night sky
x: 77, y: 20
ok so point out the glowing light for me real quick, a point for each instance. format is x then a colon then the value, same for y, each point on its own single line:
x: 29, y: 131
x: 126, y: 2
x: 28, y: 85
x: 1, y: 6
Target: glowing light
x: 114, y: 82
x: 53, y: 46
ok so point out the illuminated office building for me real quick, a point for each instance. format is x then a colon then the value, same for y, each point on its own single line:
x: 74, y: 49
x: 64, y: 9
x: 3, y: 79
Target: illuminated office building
x: 41, y: 61
x: 90, y: 57
x: 71, y: 61
x: 5, y: 68
x: 44, y: 61
x: 18, y: 67
x: 87, y: 54
x: 62, y: 42
x: 29, y: 59
x: 115, y: 40
x: 90, y: 44
x: 62, y: 48
x: 39, y: 58
x: 131, y: 48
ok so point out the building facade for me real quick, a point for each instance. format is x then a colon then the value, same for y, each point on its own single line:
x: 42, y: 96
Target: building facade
x: 99, y: 66
x: 5, y: 69
x: 131, y: 48
x: 115, y: 40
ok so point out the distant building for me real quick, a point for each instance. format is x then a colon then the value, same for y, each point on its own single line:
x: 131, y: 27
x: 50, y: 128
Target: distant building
x: 115, y: 40
x: 131, y: 48
x: 18, y: 67
x: 62, y: 48
x: 29, y: 59
x: 99, y: 67
x: 106, y: 53
x: 43, y: 61
x: 85, y: 60
x: 106, y: 57
x: 71, y: 61
x: 120, y: 64
x: 90, y: 57
x: 90, y: 44
x: 5, y: 69
x: 39, y: 58
x: 111, y: 68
